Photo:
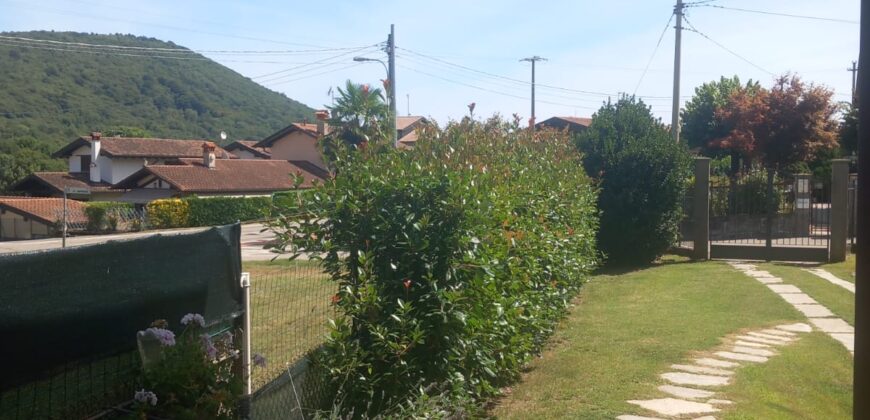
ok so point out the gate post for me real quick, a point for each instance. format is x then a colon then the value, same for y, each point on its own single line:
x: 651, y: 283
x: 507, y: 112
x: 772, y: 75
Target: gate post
x: 701, y: 210
x: 839, y: 209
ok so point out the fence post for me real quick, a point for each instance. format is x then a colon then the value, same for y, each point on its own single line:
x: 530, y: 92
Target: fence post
x: 839, y: 209
x: 246, y: 346
x: 701, y: 210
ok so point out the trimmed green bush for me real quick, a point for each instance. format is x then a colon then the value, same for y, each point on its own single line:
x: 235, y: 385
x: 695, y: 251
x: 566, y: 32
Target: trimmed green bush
x: 454, y: 260
x: 642, y: 174
x: 213, y: 211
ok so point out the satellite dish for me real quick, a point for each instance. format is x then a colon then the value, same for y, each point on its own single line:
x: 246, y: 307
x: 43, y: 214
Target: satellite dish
x: 223, y: 135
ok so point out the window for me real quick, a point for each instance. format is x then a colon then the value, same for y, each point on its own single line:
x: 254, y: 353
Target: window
x: 86, y: 163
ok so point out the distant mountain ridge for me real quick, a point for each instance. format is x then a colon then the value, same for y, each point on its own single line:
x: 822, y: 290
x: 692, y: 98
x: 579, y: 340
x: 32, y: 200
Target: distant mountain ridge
x: 48, y: 97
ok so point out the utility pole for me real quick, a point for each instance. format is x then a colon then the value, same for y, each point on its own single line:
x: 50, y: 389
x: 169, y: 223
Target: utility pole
x: 854, y: 71
x: 391, y: 51
x: 532, y: 60
x: 675, y: 110
x: 861, y: 388
x: 408, y: 103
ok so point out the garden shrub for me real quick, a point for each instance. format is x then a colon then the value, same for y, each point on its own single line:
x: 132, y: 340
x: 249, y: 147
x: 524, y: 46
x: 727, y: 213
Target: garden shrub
x: 213, y: 211
x: 103, y: 216
x: 642, y: 175
x: 168, y: 213
x: 454, y: 260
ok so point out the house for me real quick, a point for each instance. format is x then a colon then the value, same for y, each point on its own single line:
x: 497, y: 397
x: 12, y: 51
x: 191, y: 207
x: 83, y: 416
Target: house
x: 297, y: 141
x: 407, y: 129
x: 248, y: 149
x: 209, y: 176
x: 573, y: 124
x: 99, y: 163
x: 32, y: 218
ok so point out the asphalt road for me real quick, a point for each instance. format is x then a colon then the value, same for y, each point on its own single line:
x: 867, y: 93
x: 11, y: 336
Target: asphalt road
x: 252, y: 241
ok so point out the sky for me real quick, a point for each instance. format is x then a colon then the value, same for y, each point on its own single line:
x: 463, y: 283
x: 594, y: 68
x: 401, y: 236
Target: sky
x: 452, y: 53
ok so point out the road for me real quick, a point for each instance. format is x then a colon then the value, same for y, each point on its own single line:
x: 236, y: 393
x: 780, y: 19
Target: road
x: 252, y: 241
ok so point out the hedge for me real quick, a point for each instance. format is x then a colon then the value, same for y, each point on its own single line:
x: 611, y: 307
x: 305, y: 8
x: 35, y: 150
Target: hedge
x: 453, y: 261
x: 194, y: 211
x: 102, y: 215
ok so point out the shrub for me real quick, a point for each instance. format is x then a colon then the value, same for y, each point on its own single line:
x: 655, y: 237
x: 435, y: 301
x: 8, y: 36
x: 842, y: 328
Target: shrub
x: 642, y: 174
x: 103, y: 215
x: 168, y: 213
x: 454, y: 260
x: 213, y: 211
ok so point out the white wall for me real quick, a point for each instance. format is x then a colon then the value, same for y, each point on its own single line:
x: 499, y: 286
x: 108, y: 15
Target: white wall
x: 297, y: 146
x: 75, y: 160
x: 122, y: 168
x: 14, y: 226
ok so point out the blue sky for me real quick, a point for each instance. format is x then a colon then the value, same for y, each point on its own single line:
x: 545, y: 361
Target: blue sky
x: 599, y: 47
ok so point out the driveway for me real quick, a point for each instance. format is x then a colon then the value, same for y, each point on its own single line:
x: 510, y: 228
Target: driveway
x: 252, y: 240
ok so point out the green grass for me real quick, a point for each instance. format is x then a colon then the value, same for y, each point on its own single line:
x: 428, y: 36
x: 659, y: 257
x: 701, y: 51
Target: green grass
x: 628, y: 328
x: 810, y: 379
x: 844, y: 270
x: 290, y: 309
x: 839, y: 300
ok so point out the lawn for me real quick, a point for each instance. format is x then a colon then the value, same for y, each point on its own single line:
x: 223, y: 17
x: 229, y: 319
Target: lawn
x: 627, y: 328
x: 290, y: 309
x: 839, y: 300
x: 844, y: 270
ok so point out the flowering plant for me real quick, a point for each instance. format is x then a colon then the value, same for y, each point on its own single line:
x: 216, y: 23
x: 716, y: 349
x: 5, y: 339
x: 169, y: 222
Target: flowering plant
x: 189, y: 375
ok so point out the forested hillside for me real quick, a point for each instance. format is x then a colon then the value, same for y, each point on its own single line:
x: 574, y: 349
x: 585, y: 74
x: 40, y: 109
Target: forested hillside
x: 49, y: 96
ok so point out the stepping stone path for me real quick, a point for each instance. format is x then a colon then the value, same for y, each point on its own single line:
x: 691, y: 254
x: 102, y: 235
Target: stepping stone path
x: 692, y: 386
x: 821, y: 317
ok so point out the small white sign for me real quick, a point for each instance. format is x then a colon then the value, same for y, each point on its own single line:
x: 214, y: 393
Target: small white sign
x: 803, y: 186
x: 79, y: 191
x: 803, y: 203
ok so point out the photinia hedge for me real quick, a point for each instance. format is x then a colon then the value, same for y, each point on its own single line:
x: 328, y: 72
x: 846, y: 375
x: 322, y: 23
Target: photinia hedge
x: 454, y: 260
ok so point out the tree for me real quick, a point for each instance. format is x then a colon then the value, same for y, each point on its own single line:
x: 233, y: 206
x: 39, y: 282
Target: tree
x: 642, y: 175
x: 21, y: 162
x: 699, y: 123
x: 790, y: 123
x: 849, y: 130
x: 360, y: 114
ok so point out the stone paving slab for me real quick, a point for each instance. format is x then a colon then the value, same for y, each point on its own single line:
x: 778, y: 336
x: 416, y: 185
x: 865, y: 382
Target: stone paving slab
x: 758, y: 274
x: 796, y: 327
x: 683, y: 378
x: 675, y: 407
x: 719, y: 402
x: 798, y: 298
x: 752, y: 351
x: 740, y: 356
x: 686, y: 393
x: 715, y: 363
x: 832, y: 325
x: 743, y: 343
x: 774, y: 331
x: 848, y: 340
x: 702, y: 370
x: 815, y: 311
x: 784, y: 288
x: 832, y: 278
x: 770, y: 280
x: 755, y: 339
x: 771, y: 337
x: 631, y: 417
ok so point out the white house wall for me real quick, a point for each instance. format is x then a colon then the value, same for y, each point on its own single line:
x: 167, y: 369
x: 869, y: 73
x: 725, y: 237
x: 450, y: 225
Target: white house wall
x: 122, y: 168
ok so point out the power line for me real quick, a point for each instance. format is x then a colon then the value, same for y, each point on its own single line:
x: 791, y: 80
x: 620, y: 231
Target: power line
x: 321, y: 61
x: 314, y: 75
x: 763, y: 12
x: 693, y: 29
x: 658, y: 43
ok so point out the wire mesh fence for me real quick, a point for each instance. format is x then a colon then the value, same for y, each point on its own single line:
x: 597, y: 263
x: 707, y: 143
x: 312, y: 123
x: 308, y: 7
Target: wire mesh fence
x: 119, y: 219
x: 291, y: 304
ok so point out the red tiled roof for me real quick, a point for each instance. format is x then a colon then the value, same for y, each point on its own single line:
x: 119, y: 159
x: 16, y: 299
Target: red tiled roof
x: 403, y: 122
x: 228, y: 176
x: 578, y: 120
x: 46, y: 210
x: 137, y: 147
x: 60, y: 180
x: 409, y: 138
x: 250, y: 146
x: 559, y: 122
x: 309, y: 129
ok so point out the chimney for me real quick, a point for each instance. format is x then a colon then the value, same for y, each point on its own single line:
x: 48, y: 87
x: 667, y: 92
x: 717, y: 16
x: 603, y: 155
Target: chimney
x: 322, y: 126
x: 94, y: 170
x: 208, y: 158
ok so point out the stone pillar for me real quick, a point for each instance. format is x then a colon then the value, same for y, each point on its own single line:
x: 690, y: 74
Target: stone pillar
x: 839, y: 209
x: 803, y: 191
x: 701, y: 210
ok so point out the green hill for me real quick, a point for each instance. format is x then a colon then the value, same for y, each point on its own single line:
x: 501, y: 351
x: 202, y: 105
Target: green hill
x: 49, y: 96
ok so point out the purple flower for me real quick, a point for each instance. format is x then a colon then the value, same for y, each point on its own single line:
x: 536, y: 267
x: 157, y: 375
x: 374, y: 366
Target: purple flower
x: 145, y: 397
x: 195, y: 318
x: 166, y: 337
x: 210, y: 350
x: 259, y: 360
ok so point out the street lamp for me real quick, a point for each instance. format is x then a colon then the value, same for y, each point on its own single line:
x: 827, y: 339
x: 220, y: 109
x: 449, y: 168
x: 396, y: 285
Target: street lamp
x: 391, y: 94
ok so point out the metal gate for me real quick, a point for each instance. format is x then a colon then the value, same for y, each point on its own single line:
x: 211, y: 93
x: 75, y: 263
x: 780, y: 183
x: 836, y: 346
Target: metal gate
x: 763, y: 214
